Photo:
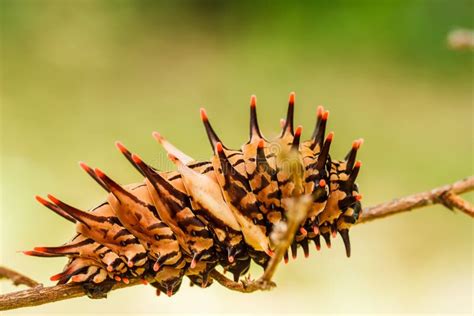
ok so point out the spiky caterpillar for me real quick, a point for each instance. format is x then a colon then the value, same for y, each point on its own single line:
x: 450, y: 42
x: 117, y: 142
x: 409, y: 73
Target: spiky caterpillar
x: 218, y: 212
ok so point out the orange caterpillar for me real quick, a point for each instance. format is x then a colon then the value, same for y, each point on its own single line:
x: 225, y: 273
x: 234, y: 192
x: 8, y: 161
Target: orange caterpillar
x: 218, y: 212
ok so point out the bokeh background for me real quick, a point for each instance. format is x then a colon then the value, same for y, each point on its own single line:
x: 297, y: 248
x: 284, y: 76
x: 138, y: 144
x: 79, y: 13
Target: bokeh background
x: 78, y: 75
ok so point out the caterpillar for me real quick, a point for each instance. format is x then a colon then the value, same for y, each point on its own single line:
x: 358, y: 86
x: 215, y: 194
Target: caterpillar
x: 221, y: 212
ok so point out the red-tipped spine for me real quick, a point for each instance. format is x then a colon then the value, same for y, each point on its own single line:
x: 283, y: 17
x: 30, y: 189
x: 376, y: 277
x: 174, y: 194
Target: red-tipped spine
x: 296, y: 139
x: 53, y: 199
x: 41, y: 200
x: 330, y: 137
x: 325, y: 116
x: 291, y: 99
x: 219, y: 147
x: 320, y: 111
x: 253, y: 100
x: 137, y: 159
x: 204, y: 117
x: 100, y: 173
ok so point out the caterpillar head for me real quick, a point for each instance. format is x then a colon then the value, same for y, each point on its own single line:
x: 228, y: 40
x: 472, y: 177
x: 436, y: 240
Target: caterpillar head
x: 201, y: 280
x: 239, y: 266
x: 199, y: 274
x: 134, y: 255
x: 168, y: 280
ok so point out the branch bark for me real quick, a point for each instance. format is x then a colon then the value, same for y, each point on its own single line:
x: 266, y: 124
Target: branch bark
x: 418, y: 200
x: 16, y: 277
x: 446, y: 195
x: 452, y: 200
x: 40, y: 295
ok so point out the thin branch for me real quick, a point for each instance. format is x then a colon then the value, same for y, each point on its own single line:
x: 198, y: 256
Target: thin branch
x: 446, y: 195
x: 16, y: 277
x: 415, y: 201
x: 451, y: 200
x: 297, y: 209
x: 40, y: 295
x: 246, y: 286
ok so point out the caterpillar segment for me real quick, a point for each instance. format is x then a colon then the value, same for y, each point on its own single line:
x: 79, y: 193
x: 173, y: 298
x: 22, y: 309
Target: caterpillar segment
x: 212, y: 213
x: 209, y: 206
x: 135, y: 211
x: 264, y: 184
x: 87, y: 248
x: 81, y: 246
x: 229, y: 166
x: 289, y: 163
x: 343, y: 198
x: 196, y: 241
x: 298, y: 170
x: 102, y: 225
x: 194, y: 236
x: 243, y: 203
x: 316, y: 183
x: 79, y: 270
x: 260, y: 166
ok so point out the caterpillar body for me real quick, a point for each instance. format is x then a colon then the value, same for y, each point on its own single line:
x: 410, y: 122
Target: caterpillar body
x: 211, y: 213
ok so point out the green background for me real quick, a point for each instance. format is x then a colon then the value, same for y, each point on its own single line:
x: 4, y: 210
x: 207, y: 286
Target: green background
x: 78, y: 75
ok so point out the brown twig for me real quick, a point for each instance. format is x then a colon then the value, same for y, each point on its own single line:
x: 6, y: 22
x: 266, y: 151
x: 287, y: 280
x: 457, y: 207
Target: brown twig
x: 451, y: 199
x: 40, y: 295
x: 297, y: 209
x: 16, y: 277
x: 415, y: 201
x: 446, y: 195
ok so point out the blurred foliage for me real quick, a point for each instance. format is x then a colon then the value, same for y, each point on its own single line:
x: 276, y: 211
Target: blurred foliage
x: 77, y: 75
